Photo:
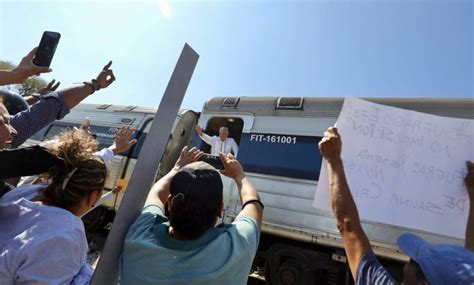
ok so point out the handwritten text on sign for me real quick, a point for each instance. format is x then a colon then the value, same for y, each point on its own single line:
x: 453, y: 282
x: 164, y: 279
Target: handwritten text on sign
x: 404, y: 168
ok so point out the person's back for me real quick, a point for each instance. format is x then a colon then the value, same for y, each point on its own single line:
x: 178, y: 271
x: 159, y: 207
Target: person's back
x: 222, y: 255
x: 38, y: 230
x: 187, y: 248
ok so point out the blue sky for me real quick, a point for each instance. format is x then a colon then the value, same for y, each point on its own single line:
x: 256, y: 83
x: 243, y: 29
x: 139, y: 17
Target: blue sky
x: 404, y: 48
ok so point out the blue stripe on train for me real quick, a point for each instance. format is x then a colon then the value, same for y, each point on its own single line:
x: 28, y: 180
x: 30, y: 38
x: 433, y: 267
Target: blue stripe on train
x: 301, y: 159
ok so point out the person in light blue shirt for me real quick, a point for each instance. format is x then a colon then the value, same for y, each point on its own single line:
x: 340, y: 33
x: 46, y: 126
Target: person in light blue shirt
x: 42, y: 238
x: 187, y: 247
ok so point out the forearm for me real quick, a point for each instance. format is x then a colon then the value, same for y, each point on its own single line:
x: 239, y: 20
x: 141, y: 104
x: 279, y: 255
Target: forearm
x: 74, y: 95
x: 342, y: 203
x: 249, y: 193
x: 353, y: 236
x: 469, y: 244
x: 9, y: 77
x: 246, y: 189
x: 207, y: 139
x: 161, y: 189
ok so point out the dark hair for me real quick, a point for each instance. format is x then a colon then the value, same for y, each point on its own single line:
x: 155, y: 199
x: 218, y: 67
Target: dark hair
x: 420, y: 276
x: 197, y: 195
x: 82, y: 173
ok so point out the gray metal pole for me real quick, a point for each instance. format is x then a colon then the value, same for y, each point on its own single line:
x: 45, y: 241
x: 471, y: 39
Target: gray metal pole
x: 147, y: 166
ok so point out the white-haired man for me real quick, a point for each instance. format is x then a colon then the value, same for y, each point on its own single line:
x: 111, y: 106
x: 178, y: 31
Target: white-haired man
x: 219, y: 144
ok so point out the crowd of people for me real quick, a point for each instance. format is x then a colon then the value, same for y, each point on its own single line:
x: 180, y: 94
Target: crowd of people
x: 177, y: 238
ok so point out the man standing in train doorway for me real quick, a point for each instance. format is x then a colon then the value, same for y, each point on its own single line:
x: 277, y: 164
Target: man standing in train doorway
x: 221, y: 143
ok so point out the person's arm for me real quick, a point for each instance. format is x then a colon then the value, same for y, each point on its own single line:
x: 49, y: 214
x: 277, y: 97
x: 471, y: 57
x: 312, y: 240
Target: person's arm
x: 9, y: 77
x: 122, y: 143
x: 161, y: 190
x: 25, y: 69
x: 26, y: 161
x: 54, y: 106
x: 344, y: 208
x: 469, y: 181
x: 234, y: 170
x: 206, y: 138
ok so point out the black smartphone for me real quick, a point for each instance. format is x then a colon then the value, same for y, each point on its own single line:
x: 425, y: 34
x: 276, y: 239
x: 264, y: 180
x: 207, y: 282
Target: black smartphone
x: 213, y: 160
x: 47, y: 47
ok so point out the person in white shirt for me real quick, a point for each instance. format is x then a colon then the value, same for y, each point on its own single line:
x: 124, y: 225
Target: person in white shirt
x: 219, y: 144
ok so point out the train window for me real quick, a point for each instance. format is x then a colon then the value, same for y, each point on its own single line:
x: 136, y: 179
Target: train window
x: 281, y: 155
x: 234, y: 124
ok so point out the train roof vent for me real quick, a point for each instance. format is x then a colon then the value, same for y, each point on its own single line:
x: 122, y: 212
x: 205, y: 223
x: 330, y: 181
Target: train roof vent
x: 128, y: 108
x: 294, y: 103
x: 104, y: 106
x: 230, y: 102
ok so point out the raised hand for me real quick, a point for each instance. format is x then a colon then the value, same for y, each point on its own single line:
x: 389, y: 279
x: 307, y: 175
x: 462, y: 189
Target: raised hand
x: 51, y: 87
x: 27, y: 68
x: 105, y: 77
x: 331, y: 145
x: 232, y: 167
x: 188, y: 156
x: 123, y: 141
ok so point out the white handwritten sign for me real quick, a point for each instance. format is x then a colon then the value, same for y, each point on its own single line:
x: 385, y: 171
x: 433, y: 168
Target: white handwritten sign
x: 404, y: 168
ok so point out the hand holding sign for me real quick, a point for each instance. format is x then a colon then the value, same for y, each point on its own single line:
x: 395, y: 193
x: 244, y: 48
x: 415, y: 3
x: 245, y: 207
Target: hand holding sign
x: 330, y: 146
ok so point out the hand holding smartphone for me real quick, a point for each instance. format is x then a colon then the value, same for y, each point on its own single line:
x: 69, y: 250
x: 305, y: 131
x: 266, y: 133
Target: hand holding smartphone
x: 47, y: 47
x: 213, y: 160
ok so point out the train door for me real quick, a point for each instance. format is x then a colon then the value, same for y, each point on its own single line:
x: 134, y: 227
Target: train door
x: 181, y: 136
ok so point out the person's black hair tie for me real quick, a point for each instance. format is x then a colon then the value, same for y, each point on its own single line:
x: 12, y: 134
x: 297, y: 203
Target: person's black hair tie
x: 253, y: 201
